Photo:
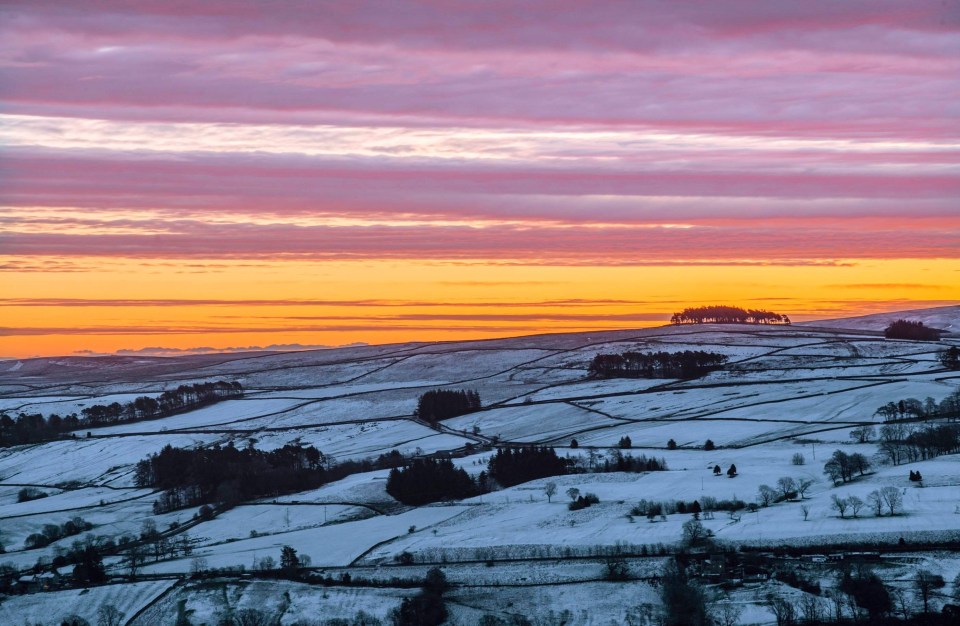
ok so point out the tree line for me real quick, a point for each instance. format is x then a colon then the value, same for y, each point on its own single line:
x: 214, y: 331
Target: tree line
x: 55, y: 532
x: 902, y: 441
x: 441, y: 404
x: 431, y: 480
x: 910, y: 329
x: 721, y: 314
x: 33, y: 428
x: 421, y: 481
x: 685, y: 364
x: 227, y: 475
x: 183, y: 398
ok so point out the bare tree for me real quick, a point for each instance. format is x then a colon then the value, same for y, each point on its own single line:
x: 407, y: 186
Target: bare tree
x: 900, y: 602
x: 573, y: 493
x: 783, y: 610
x: 891, y: 498
x: 266, y: 564
x: 839, y: 504
x: 875, y: 502
x: 136, y: 556
x: 550, y: 490
x: 198, y: 565
x: 925, y: 582
x: 693, y: 532
x: 811, y: 608
x: 838, y: 601
x: 727, y: 613
x: 787, y: 486
x: 109, y: 615
x: 855, y: 504
x: 862, y: 434
x: 860, y: 463
x: 803, y: 485
x: 766, y: 495
x: 798, y: 458
x: 806, y: 511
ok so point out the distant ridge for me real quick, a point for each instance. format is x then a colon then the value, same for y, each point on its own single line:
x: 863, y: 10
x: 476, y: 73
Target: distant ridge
x: 943, y: 317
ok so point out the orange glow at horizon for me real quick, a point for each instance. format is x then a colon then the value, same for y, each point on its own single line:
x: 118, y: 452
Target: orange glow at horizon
x: 102, y: 307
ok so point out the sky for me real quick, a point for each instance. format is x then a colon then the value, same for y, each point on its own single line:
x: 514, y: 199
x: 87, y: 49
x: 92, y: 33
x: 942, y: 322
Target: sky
x: 234, y: 174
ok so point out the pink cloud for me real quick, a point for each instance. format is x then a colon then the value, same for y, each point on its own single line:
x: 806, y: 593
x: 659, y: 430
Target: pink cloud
x: 869, y: 86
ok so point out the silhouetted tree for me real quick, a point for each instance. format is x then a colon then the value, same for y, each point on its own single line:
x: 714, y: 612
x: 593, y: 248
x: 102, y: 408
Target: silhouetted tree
x: 909, y: 329
x: 33, y: 428
x: 950, y: 358
x: 684, y: 602
x: 512, y: 466
x: 685, y: 364
x: 441, y: 404
x: 426, y: 608
x: 430, y: 480
x: 720, y: 314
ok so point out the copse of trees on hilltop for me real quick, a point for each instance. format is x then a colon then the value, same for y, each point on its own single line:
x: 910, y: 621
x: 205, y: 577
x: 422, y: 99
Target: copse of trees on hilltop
x: 909, y: 329
x: 721, y: 314
x: 33, y: 428
x: 685, y: 364
x: 441, y: 404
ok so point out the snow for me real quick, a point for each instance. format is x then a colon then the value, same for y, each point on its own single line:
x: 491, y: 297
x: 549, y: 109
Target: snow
x: 945, y: 318
x: 52, y: 607
x: 227, y: 412
x: 207, y: 603
x: 100, y: 461
x: 331, y: 545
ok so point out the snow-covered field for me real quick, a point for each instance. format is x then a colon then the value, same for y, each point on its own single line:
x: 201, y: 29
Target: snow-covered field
x: 54, y: 607
x: 785, y: 390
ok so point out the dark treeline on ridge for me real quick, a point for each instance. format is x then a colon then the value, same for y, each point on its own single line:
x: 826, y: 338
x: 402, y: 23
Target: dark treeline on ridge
x: 441, y: 404
x: 33, y: 428
x: 721, y: 314
x: 226, y: 475
x: 909, y: 329
x: 183, y: 398
x: 686, y: 364
x: 427, y: 480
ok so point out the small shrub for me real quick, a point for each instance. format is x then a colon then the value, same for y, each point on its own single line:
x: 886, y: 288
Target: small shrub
x: 583, y: 502
x: 30, y: 493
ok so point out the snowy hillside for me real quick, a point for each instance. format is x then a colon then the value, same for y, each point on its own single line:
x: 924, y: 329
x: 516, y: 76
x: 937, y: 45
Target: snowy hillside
x: 945, y: 318
x: 785, y: 390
